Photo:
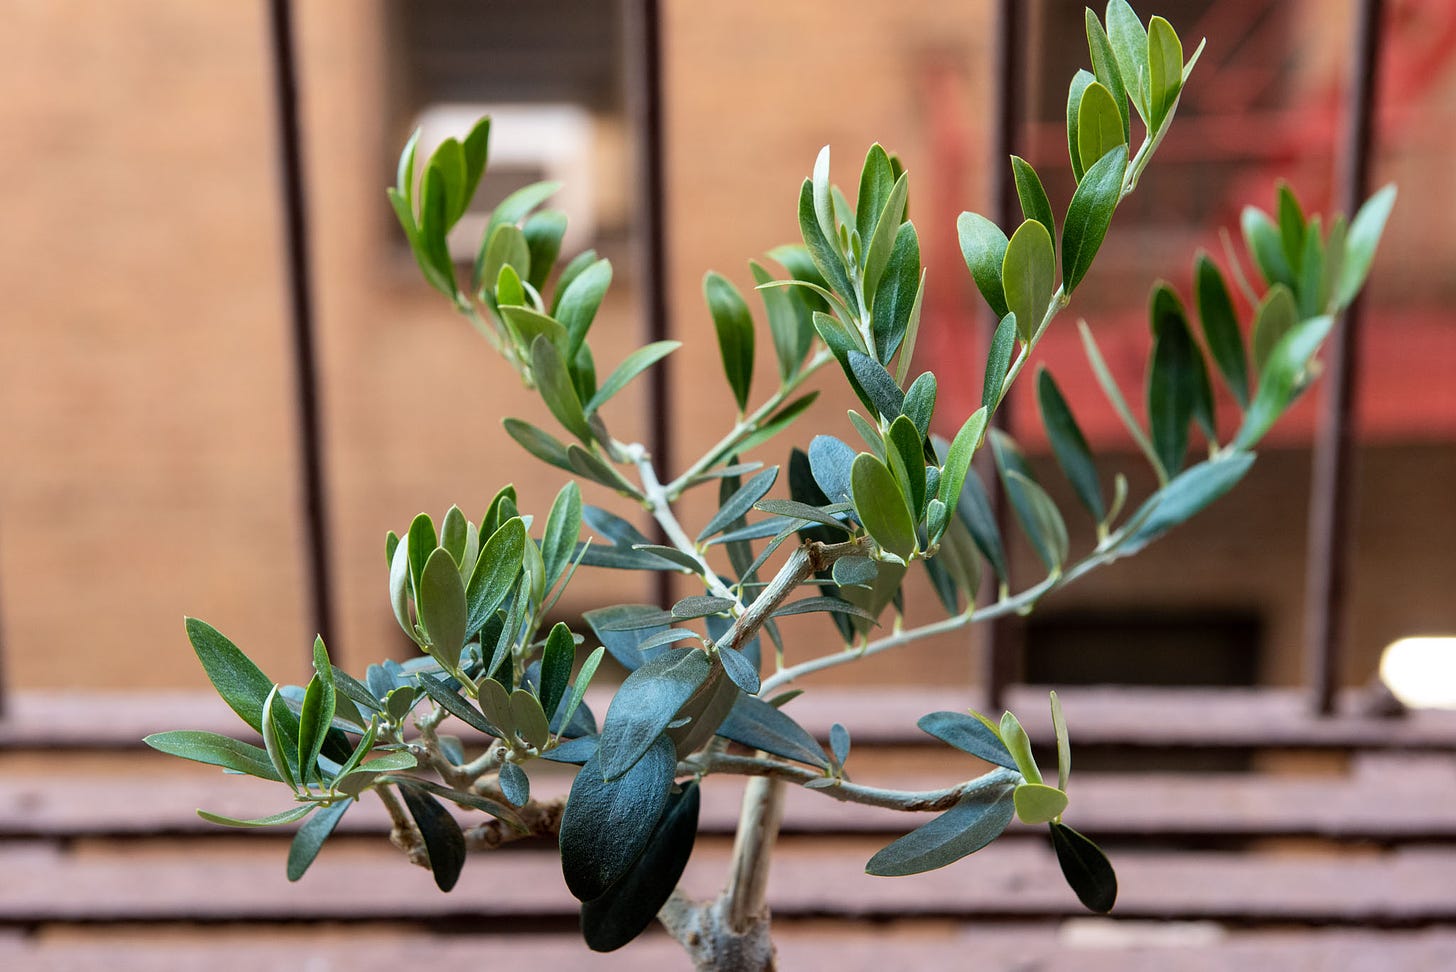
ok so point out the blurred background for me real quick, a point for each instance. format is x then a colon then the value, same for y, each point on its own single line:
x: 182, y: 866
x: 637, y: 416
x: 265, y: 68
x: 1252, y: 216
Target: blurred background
x: 149, y: 417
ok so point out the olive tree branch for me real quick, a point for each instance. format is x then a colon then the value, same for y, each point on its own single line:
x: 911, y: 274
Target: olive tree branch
x: 909, y: 801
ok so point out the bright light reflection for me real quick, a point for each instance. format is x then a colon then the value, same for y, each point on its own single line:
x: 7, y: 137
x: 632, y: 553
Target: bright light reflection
x: 1421, y: 672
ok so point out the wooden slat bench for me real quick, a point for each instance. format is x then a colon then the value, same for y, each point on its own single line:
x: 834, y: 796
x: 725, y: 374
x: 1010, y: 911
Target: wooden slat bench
x: 1356, y: 846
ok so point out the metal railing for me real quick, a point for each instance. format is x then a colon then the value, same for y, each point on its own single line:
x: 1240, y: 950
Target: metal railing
x: 1328, y: 555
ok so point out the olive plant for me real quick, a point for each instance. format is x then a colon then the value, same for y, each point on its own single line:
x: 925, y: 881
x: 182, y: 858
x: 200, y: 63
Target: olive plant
x: 834, y: 529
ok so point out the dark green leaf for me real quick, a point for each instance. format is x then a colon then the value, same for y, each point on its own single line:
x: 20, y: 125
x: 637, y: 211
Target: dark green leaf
x: 920, y: 402
x: 1292, y: 226
x: 1099, y: 125
x: 434, y: 224
x: 886, y: 396
x: 974, y: 510
x: 1266, y: 246
x: 1173, y: 386
x: 1080, y: 82
x: 1089, y: 215
x: 631, y: 905
x: 504, y: 246
x: 273, y: 820
x: 580, y: 298
x: 314, y: 721
x: 1034, y: 510
x: 965, y: 828
x: 451, y: 702
x: 563, y: 526
x: 553, y: 380
x: 790, y: 327
x: 1028, y: 272
x: 632, y: 366
x: 869, y: 434
x: 578, y: 689
x: 855, y: 571
x: 1130, y: 45
x: 556, y: 662
x: 526, y: 324
x: 452, y: 533
x: 1106, y: 69
x: 905, y: 455
x: 803, y: 511
x: 1086, y: 869
x: 311, y: 836
x: 700, y: 606
x: 896, y: 306
x: 1282, y: 372
x: 528, y: 719
x: 1361, y: 243
x: 734, y: 324
x: 758, y: 725
x: 515, y: 785
x: 623, y: 558
x: 444, y: 842
x: 215, y: 750
x: 822, y: 248
x: 881, y: 507
x: 586, y: 463
x: 998, y: 361
x: 831, y: 462
x: 839, y: 743
x: 1275, y: 317
x: 889, y: 226
x: 543, y: 232
x: 1165, y: 71
x: 495, y: 572
x: 1186, y: 495
x: 983, y: 246
x: 631, y: 617
x: 623, y: 643
x: 240, y: 683
x: 442, y: 607
x: 809, y: 605
x: 1312, y: 291
x: 680, y: 557
x: 1029, y: 190
x: 1069, y: 445
x: 1221, y: 328
x: 646, y: 702
x: 969, y: 735
x: 542, y: 445
x: 876, y: 181
x: 959, y: 562
x: 740, y: 502
x: 740, y: 670
x: 513, y: 208
x: 624, y: 810
x: 569, y: 273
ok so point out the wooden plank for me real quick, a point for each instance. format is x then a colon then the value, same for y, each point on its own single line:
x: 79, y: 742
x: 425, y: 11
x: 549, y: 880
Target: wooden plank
x: 1413, y: 806
x: 1009, y: 880
x: 1098, y: 947
x: 1102, y: 716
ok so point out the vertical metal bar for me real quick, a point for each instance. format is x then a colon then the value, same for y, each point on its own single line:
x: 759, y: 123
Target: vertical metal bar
x: 1002, y: 637
x: 290, y: 163
x: 4, y: 682
x: 644, y: 41
x: 1327, y: 567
